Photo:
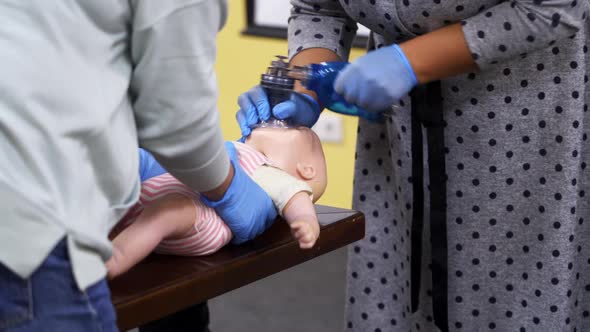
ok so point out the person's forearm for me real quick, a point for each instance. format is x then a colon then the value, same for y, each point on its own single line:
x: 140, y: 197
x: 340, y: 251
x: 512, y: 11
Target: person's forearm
x: 439, y: 54
x: 176, y: 44
x: 217, y: 193
x: 308, y: 56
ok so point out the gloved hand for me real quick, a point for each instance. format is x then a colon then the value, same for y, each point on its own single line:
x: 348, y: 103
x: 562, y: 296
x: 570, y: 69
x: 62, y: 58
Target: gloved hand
x: 148, y: 166
x: 301, y: 109
x: 245, y: 208
x: 377, y: 80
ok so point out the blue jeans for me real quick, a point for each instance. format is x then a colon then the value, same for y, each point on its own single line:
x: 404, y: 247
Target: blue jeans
x: 50, y: 301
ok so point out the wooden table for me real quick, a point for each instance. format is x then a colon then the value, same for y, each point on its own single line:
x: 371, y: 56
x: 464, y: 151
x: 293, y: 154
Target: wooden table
x: 161, y: 285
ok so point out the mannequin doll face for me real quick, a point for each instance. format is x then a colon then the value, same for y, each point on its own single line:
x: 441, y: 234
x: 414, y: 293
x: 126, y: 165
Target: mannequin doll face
x: 297, y: 151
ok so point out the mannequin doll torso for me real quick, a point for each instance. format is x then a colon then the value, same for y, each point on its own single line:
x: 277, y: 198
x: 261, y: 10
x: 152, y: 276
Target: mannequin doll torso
x: 287, y: 163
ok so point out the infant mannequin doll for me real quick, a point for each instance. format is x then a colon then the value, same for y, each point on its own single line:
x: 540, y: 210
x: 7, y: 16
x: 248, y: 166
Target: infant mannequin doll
x: 170, y: 218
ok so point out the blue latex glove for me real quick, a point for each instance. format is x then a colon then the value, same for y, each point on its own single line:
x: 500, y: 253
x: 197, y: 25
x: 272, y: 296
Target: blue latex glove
x: 148, y: 166
x: 377, y: 80
x: 301, y: 109
x: 245, y: 208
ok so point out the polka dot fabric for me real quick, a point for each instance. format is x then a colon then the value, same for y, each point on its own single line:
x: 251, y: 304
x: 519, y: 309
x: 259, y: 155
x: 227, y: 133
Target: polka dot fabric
x: 515, y: 138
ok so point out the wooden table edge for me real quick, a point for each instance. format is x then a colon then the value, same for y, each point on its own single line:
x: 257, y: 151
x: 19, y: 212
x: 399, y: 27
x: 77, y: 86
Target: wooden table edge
x: 184, y: 293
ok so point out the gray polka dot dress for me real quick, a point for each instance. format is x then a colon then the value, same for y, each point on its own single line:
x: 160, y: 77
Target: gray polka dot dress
x: 495, y: 167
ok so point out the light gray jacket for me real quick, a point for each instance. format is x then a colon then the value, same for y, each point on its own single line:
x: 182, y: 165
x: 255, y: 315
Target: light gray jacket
x: 82, y: 83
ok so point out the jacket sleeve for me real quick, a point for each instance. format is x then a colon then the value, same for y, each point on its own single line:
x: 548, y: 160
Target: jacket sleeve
x: 320, y: 23
x: 514, y: 28
x: 174, y: 87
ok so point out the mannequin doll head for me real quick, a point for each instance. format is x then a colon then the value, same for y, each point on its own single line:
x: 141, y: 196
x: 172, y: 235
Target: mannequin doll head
x: 298, y: 151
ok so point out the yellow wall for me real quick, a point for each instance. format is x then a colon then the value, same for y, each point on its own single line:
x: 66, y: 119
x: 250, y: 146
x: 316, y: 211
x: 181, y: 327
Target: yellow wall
x: 240, y: 61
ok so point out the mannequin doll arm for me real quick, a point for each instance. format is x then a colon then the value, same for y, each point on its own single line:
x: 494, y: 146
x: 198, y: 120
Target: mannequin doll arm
x: 170, y: 216
x: 302, y: 219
